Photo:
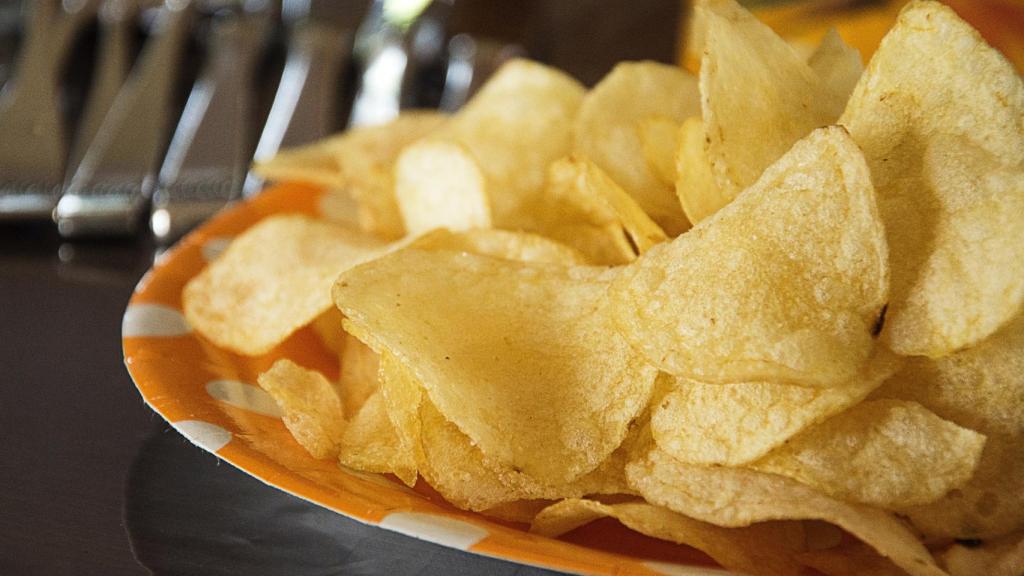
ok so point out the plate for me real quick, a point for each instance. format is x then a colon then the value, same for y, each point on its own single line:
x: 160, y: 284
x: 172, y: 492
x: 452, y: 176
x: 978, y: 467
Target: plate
x: 208, y: 395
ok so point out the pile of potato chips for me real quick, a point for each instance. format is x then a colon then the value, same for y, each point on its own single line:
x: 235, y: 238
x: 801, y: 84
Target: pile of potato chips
x: 773, y: 312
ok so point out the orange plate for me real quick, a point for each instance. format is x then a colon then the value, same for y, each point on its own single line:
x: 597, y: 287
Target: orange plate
x: 206, y: 393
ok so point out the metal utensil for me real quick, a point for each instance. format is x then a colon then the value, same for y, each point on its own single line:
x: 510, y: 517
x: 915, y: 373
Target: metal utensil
x: 209, y: 154
x: 33, y: 143
x: 109, y: 190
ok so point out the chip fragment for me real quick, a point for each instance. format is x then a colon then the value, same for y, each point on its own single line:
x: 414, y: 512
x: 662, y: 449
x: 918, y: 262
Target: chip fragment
x: 887, y: 453
x: 938, y: 114
x: 550, y: 393
x: 312, y: 409
x: 765, y: 548
x: 734, y: 424
x: 371, y: 443
x: 740, y: 497
x: 273, y: 279
x: 606, y: 131
x: 785, y: 284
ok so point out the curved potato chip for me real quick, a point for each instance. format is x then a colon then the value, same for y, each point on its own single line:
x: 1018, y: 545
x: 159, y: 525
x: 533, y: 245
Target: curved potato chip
x: 371, y: 443
x: 938, y: 115
x: 606, y: 131
x: 740, y: 497
x: 785, y: 284
x: 746, y: 134
x: 359, y: 378
x: 312, y: 409
x: 981, y: 388
x: 315, y: 163
x: 438, y: 184
x: 766, y: 548
x: 659, y: 140
x: 887, y: 453
x: 402, y: 396
x: 507, y: 244
x: 734, y: 424
x: 837, y: 64
x: 586, y: 209
x: 273, y: 279
x: 695, y: 184
x: 519, y: 122
x: 467, y: 478
x: 550, y: 392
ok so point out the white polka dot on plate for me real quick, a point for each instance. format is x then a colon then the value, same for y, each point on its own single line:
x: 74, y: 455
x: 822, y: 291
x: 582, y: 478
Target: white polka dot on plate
x: 209, y: 437
x: 153, y: 320
x: 214, y: 247
x: 244, y: 396
x: 670, y: 569
x: 433, y: 528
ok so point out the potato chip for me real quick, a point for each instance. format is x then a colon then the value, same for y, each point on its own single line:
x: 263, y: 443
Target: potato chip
x: 696, y: 188
x: 887, y: 453
x: 365, y: 152
x: 981, y: 388
x: 766, y: 548
x: 606, y: 131
x: 315, y: 163
x: 785, y: 284
x: 735, y: 424
x: 359, y: 378
x: 312, y: 409
x: 740, y: 497
x: 371, y: 443
x: 746, y: 134
x: 550, y: 392
x: 518, y: 123
x: 659, y: 140
x: 507, y: 244
x: 837, y: 64
x: 438, y: 184
x: 584, y: 208
x: 1000, y: 557
x: 522, y: 511
x: 402, y: 396
x: 467, y: 478
x: 938, y: 115
x: 849, y: 559
x: 273, y: 279
x: 328, y: 328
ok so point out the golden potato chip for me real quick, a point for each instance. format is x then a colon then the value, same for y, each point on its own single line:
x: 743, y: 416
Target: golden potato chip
x: 314, y: 163
x: 606, y: 131
x: 849, y: 559
x: 734, y: 424
x: 550, y: 392
x: 740, y: 497
x: 765, y: 548
x: 328, y: 328
x: 584, y: 208
x: 467, y: 478
x: 887, y: 453
x: 359, y: 378
x: 518, y: 123
x: 696, y: 188
x: 1000, y: 557
x: 508, y: 244
x: 758, y: 96
x: 402, y: 396
x: 981, y: 388
x: 659, y: 141
x: 522, y: 511
x: 938, y: 115
x: 371, y: 443
x: 312, y: 409
x: 367, y: 156
x: 438, y: 184
x: 785, y: 284
x: 273, y: 279
x: 837, y: 64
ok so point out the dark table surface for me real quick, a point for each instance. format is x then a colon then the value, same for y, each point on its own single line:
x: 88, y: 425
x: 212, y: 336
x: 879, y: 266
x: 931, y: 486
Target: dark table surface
x: 94, y: 482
